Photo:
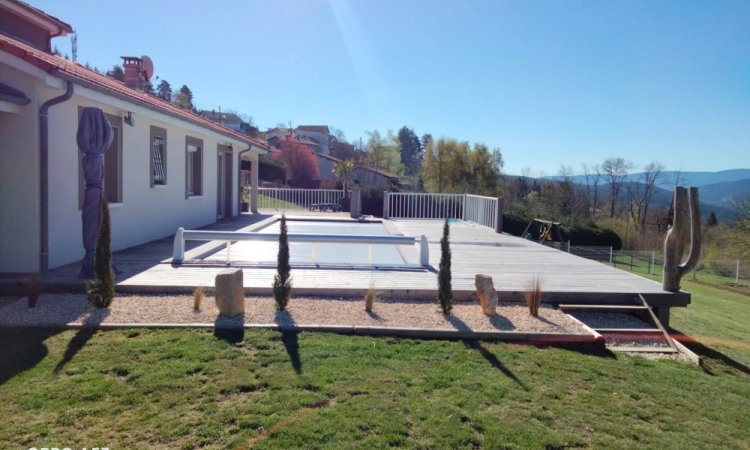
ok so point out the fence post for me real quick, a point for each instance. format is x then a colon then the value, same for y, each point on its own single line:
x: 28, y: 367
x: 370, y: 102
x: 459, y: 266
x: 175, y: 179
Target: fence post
x: 499, y: 206
x: 737, y: 274
x: 424, y: 252
x: 356, y: 204
x: 385, y: 204
x: 610, y: 255
x: 178, y: 252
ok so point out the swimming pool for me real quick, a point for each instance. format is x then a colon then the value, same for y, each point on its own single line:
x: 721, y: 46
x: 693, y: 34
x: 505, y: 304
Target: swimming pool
x: 328, y: 254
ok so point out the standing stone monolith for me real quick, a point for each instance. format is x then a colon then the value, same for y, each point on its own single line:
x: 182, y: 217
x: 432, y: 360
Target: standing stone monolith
x: 230, y: 294
x: 487, y: 295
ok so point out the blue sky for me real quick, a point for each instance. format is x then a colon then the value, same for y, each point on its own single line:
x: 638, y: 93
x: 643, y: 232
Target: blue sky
x: 547, y: 82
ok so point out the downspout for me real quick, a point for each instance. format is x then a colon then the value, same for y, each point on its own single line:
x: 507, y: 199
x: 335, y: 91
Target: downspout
x: 44, y: 173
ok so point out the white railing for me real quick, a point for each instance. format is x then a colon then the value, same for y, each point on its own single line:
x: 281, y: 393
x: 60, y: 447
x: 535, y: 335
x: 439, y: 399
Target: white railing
x: 182, y: 235
x: 410, y: 205
x: 485, y: 211
x: 481, y: 210
x: 287, y: 198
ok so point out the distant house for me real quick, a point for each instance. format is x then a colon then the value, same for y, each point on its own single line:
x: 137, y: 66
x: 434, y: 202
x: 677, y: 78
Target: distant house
x: 167, y: 167
x: 366, y: 177
x: 229, y: 120
x: 320, y: 134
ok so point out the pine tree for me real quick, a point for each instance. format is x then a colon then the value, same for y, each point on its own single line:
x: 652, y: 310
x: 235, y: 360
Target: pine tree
x: 282, y: 281
x: 101, y: 290
x: 445, y: 291
x: 164, y: 90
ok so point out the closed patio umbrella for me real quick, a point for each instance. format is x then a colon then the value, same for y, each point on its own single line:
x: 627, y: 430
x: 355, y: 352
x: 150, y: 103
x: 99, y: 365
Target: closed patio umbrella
x: 94, y: 137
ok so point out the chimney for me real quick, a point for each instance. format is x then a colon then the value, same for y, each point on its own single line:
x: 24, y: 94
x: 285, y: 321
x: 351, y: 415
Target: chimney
x: 133, y: 68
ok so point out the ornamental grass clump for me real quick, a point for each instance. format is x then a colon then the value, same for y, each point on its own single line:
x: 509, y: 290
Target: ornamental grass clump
x: 370, y: 297
x: 282, y: 281
x: 533, y: 296
x: 101, y: 290
x: 198, y: 295
x: 445, y: 291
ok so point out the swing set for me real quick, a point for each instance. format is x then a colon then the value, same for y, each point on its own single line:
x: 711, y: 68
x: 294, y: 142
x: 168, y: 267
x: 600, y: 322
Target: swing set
x: 542, y: 230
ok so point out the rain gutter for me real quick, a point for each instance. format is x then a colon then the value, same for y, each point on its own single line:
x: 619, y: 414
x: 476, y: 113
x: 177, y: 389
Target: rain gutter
x: 44, y: 174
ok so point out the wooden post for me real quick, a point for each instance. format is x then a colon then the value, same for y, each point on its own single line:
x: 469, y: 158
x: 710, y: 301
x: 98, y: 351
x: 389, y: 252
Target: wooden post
x: 737, y: 274
x: 499, y: 215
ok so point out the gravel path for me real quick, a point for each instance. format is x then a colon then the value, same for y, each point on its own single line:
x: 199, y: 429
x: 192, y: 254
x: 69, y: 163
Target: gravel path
x: 61, y: 309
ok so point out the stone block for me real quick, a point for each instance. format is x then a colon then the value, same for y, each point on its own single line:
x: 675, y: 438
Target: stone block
x: 488, y: 297
x: 230, y: 293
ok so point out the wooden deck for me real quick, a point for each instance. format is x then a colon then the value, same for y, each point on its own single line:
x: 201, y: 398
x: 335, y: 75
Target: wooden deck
x: 511, y: 261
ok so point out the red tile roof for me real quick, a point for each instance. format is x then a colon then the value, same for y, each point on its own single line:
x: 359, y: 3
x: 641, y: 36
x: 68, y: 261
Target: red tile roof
x: 67, y: 70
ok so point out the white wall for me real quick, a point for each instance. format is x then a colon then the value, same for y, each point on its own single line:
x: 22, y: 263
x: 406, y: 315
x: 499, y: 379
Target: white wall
x: 19, y: 181
x: 146, y: 213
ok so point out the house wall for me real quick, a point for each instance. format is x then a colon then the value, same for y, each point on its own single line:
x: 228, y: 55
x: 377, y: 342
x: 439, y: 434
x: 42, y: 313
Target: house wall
x: 320, y: 138
x: 325, y: 168
x: 369, y: 179
x: 146, y: 213
x: 19, y: 181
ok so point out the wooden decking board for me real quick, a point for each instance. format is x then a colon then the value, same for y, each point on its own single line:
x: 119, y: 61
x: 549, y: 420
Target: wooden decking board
x: 511, y: 261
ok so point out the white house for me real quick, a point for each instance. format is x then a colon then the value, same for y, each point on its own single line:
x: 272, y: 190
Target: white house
x: 166, y: 168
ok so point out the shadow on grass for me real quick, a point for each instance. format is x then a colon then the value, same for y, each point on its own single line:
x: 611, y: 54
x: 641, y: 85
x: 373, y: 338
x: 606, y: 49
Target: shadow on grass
x: 22, y: 349
x: 493, y: 360
x: 707, y: 352
x: 490, y: 357
x: 289, y: 339
x: 230, y: 329
x: 84, y: 334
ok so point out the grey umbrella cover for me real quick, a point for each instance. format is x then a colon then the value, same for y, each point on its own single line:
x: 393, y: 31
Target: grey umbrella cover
x: 94, y: 138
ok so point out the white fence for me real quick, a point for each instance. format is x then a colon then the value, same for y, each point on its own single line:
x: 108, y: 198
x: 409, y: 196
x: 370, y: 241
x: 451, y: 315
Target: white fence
x: 284, y: 198
x: 481, y: 210
x: 486, y: 211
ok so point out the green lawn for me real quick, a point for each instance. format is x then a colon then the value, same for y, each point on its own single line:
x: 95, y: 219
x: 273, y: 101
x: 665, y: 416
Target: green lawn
x: 188, y: 389
x: 265, y: 201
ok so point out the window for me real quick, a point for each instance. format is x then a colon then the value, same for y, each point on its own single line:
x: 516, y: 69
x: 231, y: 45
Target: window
x: 112, y: 165
x: 158, y: 164
x: 193, y: 167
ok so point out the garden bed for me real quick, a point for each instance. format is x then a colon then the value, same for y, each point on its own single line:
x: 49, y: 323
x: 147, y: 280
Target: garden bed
x: 73, y: 309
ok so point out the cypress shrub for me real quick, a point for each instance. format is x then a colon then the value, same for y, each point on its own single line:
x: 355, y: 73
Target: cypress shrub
x: 445, y: 291
x: 101, y: 290
x: 282, y: 281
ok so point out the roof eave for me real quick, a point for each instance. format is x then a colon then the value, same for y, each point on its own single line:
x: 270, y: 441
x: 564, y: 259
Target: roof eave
x: 139, y: 102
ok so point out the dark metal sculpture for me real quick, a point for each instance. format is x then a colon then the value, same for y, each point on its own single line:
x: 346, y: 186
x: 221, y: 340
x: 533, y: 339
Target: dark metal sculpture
x: 94, y: 138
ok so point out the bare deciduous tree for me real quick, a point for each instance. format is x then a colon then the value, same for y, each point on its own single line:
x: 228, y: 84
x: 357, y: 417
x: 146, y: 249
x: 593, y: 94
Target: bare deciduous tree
x: 592, y: 176
x: 642, y: 191
x: 615, y: 170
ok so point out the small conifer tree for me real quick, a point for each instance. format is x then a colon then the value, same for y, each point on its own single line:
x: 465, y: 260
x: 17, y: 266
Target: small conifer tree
x: 445, y: 292
x: 101, y: 290
x: 282, y: 281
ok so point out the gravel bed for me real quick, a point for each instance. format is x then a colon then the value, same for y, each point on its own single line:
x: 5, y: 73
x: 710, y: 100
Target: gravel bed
x: 628, y: 340
x: 61, y: 309
x: 610, y: 320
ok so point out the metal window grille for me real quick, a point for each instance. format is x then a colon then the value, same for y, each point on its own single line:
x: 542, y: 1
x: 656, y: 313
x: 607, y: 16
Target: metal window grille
x: 159, y: 174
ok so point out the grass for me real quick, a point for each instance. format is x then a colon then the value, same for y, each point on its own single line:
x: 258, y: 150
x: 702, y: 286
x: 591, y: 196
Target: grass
x: 188, y: 389
x: 265, y: 201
